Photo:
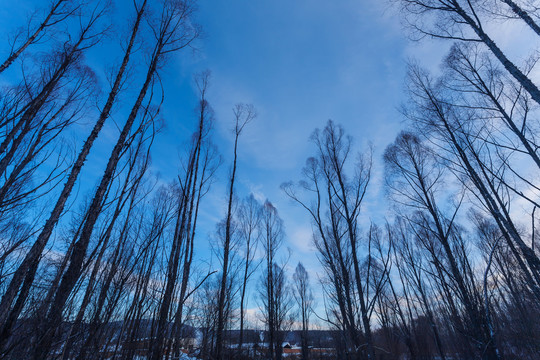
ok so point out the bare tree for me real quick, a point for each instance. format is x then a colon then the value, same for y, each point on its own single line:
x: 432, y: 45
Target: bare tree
x: 28, y: 267
x: 173, y: 31
x: 58, y: 11
x: 276, y: 301
x: 243, y: 115
x: 193, y: 186
x: 304, y: 300
x: 326, y: 178
x: 249, y: 222
x: 472, y: 162
x: 461, y: 20
x: 414, y: 174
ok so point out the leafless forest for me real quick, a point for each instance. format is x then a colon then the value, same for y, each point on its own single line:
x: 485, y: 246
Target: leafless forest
x: 103, y: 267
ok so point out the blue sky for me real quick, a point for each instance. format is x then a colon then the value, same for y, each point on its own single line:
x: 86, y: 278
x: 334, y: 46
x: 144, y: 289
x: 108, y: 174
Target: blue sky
x: 299, y: 63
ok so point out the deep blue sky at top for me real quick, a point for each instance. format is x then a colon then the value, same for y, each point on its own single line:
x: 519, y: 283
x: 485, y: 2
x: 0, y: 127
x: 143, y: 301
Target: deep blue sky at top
x: 300, y: 63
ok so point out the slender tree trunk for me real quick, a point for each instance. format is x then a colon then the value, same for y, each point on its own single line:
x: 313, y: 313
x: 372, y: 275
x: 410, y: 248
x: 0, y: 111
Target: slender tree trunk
x: 15, y: 54
x: 224, y: 276
x: 352, y: 238
x: 182, y: 235
x: 523, y: 15
x: 27, y: 269
x: 242, y: 299
x: 520, y: 77
x: 73, y: 272
x: 172, y: 270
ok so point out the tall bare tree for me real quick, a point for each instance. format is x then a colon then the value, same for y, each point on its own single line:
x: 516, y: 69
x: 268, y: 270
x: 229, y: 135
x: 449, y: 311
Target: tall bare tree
x: 173, y: 31
x: 327, y: 179
x: 414, y: 174
x: 461, y: 20
x: 27, y: 269
x: 243, y: 115
x: 193, y: 186
x: 58, y: 11
x: 249, y: 222
x: 304, y: 300
x: 276, y: 300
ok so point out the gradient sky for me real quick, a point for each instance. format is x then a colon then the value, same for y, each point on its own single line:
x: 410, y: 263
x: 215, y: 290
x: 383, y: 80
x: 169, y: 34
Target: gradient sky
x: 300, y: 63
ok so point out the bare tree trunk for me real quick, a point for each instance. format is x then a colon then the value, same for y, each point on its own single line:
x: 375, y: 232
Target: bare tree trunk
x: 28, y: 267
x: 32, y: 38
x: 184, y: 230
x: 486, y: 297
x: 73, y: 272
x: 221, y: 299
x: 304, y: 300
x: 243, y: 114
x: 129, y: 192
x: 523, y: 15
